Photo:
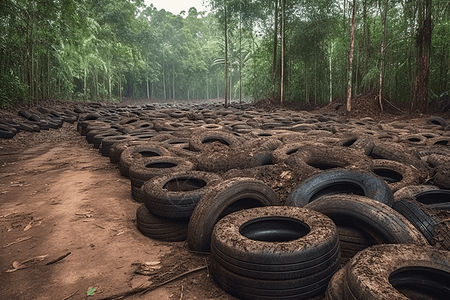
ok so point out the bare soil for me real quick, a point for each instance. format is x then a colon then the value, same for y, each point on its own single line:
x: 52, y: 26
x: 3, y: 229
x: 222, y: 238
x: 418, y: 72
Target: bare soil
x: 60, y: 199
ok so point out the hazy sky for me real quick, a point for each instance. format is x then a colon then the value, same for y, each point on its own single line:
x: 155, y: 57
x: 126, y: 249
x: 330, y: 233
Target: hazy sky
x: 176, y: 6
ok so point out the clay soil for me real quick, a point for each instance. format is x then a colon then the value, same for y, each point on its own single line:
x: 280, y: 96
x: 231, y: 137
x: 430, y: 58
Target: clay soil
x: 60, y: 199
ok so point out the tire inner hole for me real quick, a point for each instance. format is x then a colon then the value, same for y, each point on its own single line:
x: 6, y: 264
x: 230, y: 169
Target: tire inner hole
x: 325, y: 165
x: 184, y: 184
x: 414, y: 140
x: 274, y: 229
x: 160, y: 165
x: 388, y: 175
x: 443, y: 143
x: 240, y: 204
x: 349, y: 142
x: 148, y: 153
x: 212, y: 140
x: 433, y: 197
x: 339, y: 188
x: 418, y: 283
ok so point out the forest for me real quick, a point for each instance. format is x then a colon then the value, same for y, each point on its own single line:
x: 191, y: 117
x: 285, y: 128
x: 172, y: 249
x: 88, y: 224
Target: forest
x: 292, y: 50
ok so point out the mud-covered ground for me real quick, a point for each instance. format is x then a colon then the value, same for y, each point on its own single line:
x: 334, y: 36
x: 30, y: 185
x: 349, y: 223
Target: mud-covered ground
x: 68, y: 228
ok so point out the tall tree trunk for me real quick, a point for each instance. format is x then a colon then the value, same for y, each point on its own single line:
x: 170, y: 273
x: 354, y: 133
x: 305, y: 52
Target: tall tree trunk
x: 148, y: 91
x: 350, y: 59
x: 283, y: 49
x: 275, y: 47
x: 383, y: 48
x: 331, y: 74
x: 164, y: 81
x: 423, y: 42
x: 226, y: 57
x: 240, y: 54
x: 173, y: 82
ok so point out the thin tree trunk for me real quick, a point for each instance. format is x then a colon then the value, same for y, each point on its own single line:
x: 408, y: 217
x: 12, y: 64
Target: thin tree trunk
x: 423, y: 40
x: 240, y: 54
x: 383, y: 48
x: 164, y: 81
x: 350, y: 59
x: 331, y: 74
x: 275, y: 46
x: 226, y: 57
x: 173, y: 82
x: 283, y: 49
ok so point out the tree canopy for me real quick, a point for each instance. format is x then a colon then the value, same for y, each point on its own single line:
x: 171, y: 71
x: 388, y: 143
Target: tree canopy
x: 97, y: 50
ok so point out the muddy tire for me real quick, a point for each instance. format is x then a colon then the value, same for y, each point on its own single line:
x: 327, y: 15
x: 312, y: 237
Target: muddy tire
x: 176, y: 195
x: 396, y: 174
x: 311, y: 159
x: 226, y: 197
x: 340, y: 181
x: 164, y: 229
x: 335, y: 289
x: 6, y: 132
x: 353, y: 240
x: 268, y: 252
x: 381, y: 222
x: 409, y: 192
x: 146, y: 168
x: 200, y: 139
x: 423, y: 220
x: 108, y: 142
x: 398, y: 272
x: 437, y: 199
x: 134, y: 153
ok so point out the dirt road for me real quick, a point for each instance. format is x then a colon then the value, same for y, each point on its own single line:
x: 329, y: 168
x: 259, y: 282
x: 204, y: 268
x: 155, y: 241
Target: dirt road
x: 58, y: 195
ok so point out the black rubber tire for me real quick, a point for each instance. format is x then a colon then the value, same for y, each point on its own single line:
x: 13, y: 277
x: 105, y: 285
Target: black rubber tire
x: 116, y: 149
x: 175, y: 195
x: 423, y: 220
x: 226, y: 197
x: 97, y: 139
x: 146, y: 168
x: 275, y: 242
x: 199, y: 140
x: 353, y: 240
x: 6, y: 132
x: 409, y: 192
x: 335, y: 289
x: 340, y: 181
x: 268, y: 252
x: 396, y: 174
x: 380, y: 221
x: 108, y: 142
x: 164, y: 229
x: 134, y: 153
x: 312, y: 159
x: 437, y: 121
x: 393, y: 151
x: 282, y: 153
x: 398, y: 272
x: 442, y: 177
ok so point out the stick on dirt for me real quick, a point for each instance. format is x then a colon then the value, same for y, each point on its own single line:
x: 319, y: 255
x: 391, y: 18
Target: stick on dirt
x: 143, y: 290
x: 58, y: 259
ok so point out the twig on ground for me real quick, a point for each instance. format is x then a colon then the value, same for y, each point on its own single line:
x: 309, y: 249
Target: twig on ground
x: 143, y: 290
x: 181, y: 296
x: 58, y: 259
x: 18, y: 241
x: 71, y: 295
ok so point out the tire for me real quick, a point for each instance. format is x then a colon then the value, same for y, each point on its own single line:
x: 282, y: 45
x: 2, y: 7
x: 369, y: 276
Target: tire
x: 108, y: 142
x: 340, y: 181
x: 199, y: 140
x: 359, y: 141
x: 268, y: 252
x: 380, y: 221
x: 97, y: 139
x: 442, y: 177
x: 176, y: 195
x: 6, y: 132
x: 168, y: 230
x: 421, y: 219
x: 397, y: 175
x: 398, y: 272
x: 313, y: 159
x: 353, y: 240
x: 335, y: 289
x: 116, y: 149
x: 409, y: 192
x: 437, y: 121
x: 147, y: 168
x: 396, y: 152
x: 226, y: 197
x: 132, y: 154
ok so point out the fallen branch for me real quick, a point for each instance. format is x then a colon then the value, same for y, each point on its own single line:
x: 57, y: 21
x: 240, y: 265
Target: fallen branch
x: 142, y: 290
x: 71, y: 295
x: 58, y: 259
x: 389, y: 102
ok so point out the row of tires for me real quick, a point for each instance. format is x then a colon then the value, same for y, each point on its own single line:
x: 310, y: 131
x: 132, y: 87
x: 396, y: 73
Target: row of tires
x: 352, y: 193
